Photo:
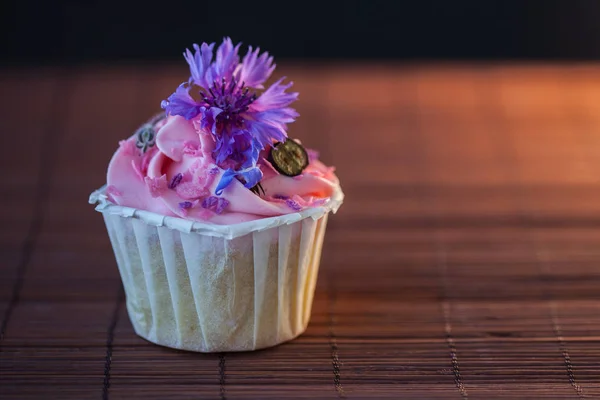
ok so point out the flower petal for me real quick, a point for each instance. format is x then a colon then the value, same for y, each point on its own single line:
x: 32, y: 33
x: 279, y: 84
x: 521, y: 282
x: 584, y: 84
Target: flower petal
x: 156, y: 186
x: 226, y: 179
x: 251, y: 177
x: 226, y: 61
x: 275, y: 97
x: 266, y: 133
x: 251, y: 154
x: 200, y: 62
x: 277, y: 117
x: 209, y: 119
x: 254, y: 70
x: 181, y: 103
x: 223, y: 148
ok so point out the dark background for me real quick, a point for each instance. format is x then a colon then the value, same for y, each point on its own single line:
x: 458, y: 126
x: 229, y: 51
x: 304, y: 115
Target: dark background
x: 68, y: 31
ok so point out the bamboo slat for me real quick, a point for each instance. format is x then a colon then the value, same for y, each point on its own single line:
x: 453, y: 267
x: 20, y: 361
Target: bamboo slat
x: 464, y: 263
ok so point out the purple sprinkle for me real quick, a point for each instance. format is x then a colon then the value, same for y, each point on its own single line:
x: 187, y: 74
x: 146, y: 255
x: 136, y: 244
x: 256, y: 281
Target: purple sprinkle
x: 293, y: 205
x: 175, y: 181
x: 214, y: 171
x: 209, y: 202
x: 221, y: 205
x: 281, y: 197
x: 185, y: 205
x: 217, y: 204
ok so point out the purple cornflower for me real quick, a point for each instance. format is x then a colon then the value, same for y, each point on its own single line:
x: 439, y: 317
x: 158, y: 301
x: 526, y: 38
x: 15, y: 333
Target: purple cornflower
x: 222, y: 91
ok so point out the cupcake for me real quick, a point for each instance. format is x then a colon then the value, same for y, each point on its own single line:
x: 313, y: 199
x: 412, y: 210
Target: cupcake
x: 215, y: 214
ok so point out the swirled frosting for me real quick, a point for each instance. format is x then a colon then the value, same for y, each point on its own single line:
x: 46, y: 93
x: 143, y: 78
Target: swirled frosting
x: 178, y: 176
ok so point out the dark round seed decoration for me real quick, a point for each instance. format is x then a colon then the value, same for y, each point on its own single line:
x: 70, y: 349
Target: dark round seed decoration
x: 289, y: 158
x: 146, y: 138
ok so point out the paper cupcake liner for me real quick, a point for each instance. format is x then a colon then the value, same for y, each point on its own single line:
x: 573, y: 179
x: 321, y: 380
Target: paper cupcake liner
x: 212, y: 289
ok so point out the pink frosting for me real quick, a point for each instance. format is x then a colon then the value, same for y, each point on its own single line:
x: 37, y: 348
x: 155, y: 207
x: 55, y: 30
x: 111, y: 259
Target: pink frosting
x: 178, y: 175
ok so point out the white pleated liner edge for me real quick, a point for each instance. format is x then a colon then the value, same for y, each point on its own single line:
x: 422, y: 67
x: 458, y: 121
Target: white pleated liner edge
x: 208, y: 294
x: 225, y: 231
x: 204, y: 287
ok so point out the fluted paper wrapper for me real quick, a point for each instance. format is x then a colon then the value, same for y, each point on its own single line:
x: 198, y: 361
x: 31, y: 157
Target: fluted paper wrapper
x: 200, y: 287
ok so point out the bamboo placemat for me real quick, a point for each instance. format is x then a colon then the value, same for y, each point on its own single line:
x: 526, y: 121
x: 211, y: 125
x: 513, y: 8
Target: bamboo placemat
x: 463, y: 264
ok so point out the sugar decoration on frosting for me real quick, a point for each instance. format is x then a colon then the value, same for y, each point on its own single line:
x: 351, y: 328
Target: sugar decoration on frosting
x: 128, y: 148
x: 297, y: 203
x: 216, y: 204
x: 184, y: 206
x: 293, y: 204
x: 176, y: 180
x: 156, y: 186
x: 222, y: 93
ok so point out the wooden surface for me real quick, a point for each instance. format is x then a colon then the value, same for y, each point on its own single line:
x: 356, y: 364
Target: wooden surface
x: 465, y: 262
